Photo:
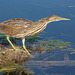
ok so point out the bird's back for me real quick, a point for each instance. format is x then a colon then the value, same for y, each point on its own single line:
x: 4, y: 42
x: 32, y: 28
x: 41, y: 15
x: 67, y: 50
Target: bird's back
x: 17, y: 22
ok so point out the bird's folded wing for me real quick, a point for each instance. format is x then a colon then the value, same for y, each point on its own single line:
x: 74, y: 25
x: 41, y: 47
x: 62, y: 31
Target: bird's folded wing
x: 15, y: 26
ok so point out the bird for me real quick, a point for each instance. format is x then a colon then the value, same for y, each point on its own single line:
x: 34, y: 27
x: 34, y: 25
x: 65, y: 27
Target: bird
x: 21, y: 28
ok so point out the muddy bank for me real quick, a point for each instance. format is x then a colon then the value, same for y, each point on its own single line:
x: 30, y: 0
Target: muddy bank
x: 10, y: 56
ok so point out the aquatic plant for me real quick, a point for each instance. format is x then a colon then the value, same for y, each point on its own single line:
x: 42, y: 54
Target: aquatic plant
x: 15, y: 69
x: 33, y: 39
x: 52, y: 45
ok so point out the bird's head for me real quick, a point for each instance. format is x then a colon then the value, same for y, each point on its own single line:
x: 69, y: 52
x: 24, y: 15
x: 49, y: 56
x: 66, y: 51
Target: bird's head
x: 56, y: 18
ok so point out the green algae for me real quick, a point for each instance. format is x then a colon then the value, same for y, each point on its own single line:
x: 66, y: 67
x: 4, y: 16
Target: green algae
x: 10, y: 67
x: 54, y: 44
x: 15, y: 69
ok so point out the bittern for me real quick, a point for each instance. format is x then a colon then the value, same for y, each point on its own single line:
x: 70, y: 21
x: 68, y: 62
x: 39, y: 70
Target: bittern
x: 21, y: 28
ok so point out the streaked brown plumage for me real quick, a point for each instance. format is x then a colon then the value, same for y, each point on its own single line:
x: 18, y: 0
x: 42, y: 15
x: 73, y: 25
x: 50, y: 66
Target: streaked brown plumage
x: 20, y: 28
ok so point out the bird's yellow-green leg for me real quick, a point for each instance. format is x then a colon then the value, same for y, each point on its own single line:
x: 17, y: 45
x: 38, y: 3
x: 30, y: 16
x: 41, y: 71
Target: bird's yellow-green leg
x: 10, y: 42
x: 23, y: 41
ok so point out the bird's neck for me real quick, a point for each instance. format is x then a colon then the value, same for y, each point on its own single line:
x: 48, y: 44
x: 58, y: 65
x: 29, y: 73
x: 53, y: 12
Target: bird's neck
x: 43, y: 21
x: 41, y: 25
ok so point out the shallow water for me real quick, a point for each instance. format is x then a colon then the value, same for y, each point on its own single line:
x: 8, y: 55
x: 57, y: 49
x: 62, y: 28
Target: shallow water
x: 62, y: 30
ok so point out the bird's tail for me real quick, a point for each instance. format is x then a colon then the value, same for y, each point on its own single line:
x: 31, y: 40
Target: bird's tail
x: 1, y: 27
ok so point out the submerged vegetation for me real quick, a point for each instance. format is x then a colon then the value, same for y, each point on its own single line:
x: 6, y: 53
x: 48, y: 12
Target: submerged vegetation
x: 48, y: 45
x: 53, y: 44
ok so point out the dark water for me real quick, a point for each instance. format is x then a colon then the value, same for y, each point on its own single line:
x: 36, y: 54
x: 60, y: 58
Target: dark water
x: 62, y: 30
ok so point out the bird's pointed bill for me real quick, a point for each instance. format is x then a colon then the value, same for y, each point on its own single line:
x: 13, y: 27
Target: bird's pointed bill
x: 60, y: 18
